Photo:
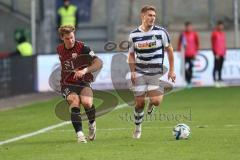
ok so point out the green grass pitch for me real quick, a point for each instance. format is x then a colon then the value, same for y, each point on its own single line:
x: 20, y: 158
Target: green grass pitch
x: 213, y: 115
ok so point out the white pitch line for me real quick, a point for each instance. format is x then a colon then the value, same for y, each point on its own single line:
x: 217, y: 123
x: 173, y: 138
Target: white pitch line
x: 111, y: 129
x: 160, y: 127
x: 43, y: 130
x: 122, y: 106
x: 34, y: 133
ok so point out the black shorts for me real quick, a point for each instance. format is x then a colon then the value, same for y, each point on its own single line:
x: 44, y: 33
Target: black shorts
x: 68, y: 89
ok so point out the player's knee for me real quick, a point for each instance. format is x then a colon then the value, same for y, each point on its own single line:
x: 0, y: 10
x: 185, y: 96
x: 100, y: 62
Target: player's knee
x: 73, y: 100
x: 140, y: 104
x: 155, y: 102
x: 87, y: 103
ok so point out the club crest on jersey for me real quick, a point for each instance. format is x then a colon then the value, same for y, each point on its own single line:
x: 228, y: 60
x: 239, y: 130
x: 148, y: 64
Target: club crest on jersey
x: 74, y: 55
x: 154, y: 38
x: 91, y: 53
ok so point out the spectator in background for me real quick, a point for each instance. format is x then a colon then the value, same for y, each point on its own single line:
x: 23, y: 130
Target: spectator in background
x: 189, y: 44
x: 67, y: 14
x: 218, y: 40
x: 24, y: 48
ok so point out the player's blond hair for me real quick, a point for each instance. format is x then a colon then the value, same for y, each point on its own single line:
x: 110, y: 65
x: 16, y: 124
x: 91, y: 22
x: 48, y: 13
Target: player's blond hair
x: 66, y: 29
x: 147, y: 8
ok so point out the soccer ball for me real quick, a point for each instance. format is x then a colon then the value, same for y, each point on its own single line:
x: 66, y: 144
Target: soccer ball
x: 181, y: 131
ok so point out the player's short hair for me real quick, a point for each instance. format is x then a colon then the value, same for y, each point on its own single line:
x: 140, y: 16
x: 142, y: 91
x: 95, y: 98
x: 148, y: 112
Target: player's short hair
x: 188, y: 23
x: 219, y: 22
x: 148, y: 8
x: 66, y: 29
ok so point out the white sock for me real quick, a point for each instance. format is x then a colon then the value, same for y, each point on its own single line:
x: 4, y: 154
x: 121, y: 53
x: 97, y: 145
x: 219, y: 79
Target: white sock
x: 80, y: 133
x: 138, y: 127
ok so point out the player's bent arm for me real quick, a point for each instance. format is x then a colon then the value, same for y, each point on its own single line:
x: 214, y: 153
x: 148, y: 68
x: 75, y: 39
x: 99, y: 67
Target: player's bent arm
x: 169, y: 50
x: 95, y: 66
x: 131, y: 61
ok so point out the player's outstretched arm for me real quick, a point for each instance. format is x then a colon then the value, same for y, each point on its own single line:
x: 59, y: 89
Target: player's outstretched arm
x: 171, y: 73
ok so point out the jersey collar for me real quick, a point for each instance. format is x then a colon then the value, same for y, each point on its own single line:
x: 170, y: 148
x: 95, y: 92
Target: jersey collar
x: 139, y: 28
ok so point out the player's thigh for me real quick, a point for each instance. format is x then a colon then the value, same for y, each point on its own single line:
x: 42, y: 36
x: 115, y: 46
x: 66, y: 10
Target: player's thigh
x: 70, y: 93
x: 153, y: 84
x: 140, y: 87
x: 86, y: 97
x: 155, y: 97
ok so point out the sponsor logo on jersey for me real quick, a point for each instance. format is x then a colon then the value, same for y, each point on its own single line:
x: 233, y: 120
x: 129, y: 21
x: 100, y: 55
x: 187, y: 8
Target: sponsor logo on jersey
x: 147, y: 45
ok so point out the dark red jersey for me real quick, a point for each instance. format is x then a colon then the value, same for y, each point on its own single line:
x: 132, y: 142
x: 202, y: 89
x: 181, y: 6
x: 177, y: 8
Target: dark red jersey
x: 190, y: 42
x: 218, y: 40
x: 76, y: 58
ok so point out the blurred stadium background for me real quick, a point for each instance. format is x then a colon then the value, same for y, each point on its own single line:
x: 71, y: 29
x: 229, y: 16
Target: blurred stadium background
x: 104, y: 20
x: 101, y: 21
x: 24, y: 80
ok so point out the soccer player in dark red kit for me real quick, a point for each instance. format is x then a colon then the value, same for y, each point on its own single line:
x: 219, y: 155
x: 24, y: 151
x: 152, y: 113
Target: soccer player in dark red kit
x: 218, y: 39
x: 189, y: 43
x: 78, y: 62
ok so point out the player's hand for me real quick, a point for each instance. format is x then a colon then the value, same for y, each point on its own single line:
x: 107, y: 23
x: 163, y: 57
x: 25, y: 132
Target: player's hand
x: 172, y: 76
x: 133, y: 78
x: 80, y: 73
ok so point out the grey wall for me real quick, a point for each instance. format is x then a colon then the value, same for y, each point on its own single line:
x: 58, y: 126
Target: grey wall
x: 8, y: 25
x: 178, y: 11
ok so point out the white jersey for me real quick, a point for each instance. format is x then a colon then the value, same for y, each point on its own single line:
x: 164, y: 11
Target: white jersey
x: 149, y: 49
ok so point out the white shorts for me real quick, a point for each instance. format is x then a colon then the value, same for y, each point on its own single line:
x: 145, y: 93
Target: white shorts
x: 145, y: 83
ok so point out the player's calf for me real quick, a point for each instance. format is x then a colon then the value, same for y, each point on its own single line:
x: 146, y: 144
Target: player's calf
x: 91, y: 113
x: 138, y: 116
x: 77, y: 124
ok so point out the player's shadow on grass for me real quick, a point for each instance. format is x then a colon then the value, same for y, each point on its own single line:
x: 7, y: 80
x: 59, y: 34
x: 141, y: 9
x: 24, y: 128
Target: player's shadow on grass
x: 108, y: 103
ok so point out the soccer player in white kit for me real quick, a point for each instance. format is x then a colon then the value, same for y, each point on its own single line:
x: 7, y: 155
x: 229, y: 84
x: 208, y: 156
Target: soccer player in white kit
x: 145, y: 58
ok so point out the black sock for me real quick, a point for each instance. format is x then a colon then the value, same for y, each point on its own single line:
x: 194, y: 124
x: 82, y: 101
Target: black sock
x: 76, y: 119
x: 138, y: 115
x: 90, y: 112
